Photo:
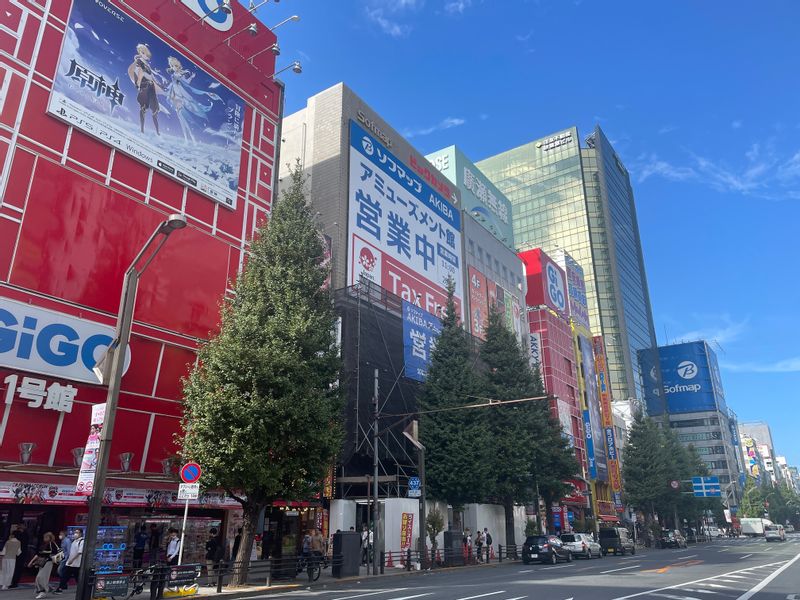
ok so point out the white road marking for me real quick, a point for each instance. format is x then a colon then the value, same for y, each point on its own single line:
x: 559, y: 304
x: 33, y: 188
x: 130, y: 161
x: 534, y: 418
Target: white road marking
x: 735, y: 577
x: 622, y: 569
x: 414, y: 596
x: 697, y: 591
x: 745, y: 556
x: 716, y: 585
x: 758, y: 587
x: 389, y: 591
x: 697, y: 581
x: 556, y: 567
x: 519, y: 598
x: 526, y: 571
x: 675, y: 597
x: 482, y: 595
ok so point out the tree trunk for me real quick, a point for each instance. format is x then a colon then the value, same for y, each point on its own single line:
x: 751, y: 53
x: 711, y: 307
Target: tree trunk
x: 508, y: 506
x: 241, y: 563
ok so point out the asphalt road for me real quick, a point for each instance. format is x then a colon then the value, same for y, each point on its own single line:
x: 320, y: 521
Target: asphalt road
x: 724, y: 570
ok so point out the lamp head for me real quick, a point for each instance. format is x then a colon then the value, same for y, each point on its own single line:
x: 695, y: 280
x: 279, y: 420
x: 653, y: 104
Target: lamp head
x: 276, y: 50
x: 226, y: 7
x: 252, y: 29
x: 297, y: 67
x: 173, y: 223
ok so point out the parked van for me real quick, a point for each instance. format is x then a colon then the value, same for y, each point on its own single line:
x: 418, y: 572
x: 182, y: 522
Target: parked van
x: 712, y: 531
x: 775, y: 533
x: 616, y: 540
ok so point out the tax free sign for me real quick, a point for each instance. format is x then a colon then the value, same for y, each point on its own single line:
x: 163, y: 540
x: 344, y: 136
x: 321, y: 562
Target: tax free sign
x: 404, y: 235
x: 51, y: 343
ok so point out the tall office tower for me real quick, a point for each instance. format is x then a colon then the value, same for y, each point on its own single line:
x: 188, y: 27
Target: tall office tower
x: 579, y: 199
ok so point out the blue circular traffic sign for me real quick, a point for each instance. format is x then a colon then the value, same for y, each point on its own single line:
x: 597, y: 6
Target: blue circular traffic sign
x: 190, y: 472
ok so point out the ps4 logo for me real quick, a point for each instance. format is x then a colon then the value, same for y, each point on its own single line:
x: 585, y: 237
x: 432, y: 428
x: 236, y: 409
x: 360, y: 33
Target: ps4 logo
x: 216, y: 13
x: 51, y: 343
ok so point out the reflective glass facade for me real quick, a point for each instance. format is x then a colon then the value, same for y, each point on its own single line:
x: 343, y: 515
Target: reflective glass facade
x: 580, y: 200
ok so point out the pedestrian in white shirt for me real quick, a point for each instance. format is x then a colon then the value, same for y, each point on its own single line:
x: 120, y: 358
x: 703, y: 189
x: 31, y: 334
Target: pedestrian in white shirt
x: 173, y: 547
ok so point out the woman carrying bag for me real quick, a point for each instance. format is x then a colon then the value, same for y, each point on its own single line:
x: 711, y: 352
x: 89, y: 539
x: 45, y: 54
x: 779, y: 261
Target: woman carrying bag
x: 11, y: 550
x: 48, y: 555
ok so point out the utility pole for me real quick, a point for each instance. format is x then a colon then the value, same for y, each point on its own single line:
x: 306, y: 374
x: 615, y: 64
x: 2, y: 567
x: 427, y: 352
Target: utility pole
x: 412, y: 433
x: 375, y: 506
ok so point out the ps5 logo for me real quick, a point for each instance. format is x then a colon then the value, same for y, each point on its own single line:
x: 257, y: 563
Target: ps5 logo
x: 687, y: 369
x: 214, y: 12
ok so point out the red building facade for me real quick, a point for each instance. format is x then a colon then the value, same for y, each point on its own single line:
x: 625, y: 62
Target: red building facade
x: 77, y: 204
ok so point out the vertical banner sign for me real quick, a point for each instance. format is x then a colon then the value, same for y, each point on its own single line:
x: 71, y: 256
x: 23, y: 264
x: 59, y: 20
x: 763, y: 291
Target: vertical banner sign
x: 121, y: 84
x: 601, y: 368
x: 478, y: 303
x: 536, y: 350
x: 593, y: 406
x: 406, y: 530
x: 420, y: 331
x: 404, y: 235
x: 587, y: 428
x: 85, y: 485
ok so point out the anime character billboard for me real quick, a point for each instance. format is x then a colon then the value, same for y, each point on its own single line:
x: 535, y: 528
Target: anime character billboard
x: 121, y: 84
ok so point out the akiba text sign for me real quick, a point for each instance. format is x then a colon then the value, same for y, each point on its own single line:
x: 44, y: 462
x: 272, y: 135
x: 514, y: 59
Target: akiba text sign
x: 397, y: 219
x: 121, y: 84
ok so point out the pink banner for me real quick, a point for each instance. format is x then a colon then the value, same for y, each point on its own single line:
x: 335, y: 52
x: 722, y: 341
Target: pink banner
x: 85, y: 485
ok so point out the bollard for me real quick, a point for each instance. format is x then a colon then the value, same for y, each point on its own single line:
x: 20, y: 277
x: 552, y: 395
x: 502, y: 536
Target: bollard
x: 408, y: 559
x: 383, y: 560
x: 219, y: 577
x: 488, y: 551
x: 269, y: 572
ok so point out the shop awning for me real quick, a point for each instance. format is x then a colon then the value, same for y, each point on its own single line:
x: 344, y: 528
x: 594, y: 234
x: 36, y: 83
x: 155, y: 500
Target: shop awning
x: 608, y: 518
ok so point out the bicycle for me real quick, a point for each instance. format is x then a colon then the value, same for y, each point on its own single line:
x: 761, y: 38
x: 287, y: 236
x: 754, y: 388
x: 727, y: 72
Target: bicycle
x: 311, y: 564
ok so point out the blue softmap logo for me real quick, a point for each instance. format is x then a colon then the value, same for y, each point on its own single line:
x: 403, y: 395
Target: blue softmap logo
x: 211, y: 13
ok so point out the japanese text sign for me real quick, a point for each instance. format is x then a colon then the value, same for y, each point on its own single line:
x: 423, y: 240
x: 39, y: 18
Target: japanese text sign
x: 406, y: 530
x: 420, y: 331
x: 404, y: 236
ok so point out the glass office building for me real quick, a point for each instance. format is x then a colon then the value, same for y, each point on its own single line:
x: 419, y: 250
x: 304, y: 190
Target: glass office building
x: 579, y: 199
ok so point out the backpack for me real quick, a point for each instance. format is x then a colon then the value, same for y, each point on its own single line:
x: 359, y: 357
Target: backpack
x: 488, y: 539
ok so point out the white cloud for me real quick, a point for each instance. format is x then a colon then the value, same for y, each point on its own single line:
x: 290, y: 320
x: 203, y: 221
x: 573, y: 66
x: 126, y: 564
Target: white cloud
x: 666, y: 129
x: 787, y: 365
x: 737, y: 124
x: 446, y: 123
x: 529, y: 35
x: 653, y: 165
x: 726, y: 332
x: 457, y: 6
x: 388, y: 26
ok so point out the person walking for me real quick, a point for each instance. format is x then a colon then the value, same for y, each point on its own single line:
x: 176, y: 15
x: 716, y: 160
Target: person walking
x: 22, y: 536
x: 364, y: 546
x: 43, y: 561
x: 73, y: 566
x: 173, y: 547
x: 213, y: 554
x: 317, y: 546
x: 479, y: 545
x: 139, y: 544
x: 11, y: 550
x: 487, y: 540
x: 65, y: 543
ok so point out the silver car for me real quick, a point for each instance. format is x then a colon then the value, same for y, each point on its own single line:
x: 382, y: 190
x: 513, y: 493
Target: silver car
x: 582, y: 544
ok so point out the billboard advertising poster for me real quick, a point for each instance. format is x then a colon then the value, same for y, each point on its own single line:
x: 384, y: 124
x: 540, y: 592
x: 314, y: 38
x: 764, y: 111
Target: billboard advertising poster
x: 576, y: 289
x: 420, y: 331
x: 593, y: 406
x: 653, y: 393
x: 590, y: 452
x: 120, y: 83
x: 688, y: 378
x: 603, y: 388
x: 405, y: 236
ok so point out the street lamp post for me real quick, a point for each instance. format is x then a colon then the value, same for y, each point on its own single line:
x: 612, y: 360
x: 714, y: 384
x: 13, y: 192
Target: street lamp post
x: 109, y: 370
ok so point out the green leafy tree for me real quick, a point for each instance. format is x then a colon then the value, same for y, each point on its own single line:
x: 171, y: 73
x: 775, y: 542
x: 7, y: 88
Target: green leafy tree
x: 547, y: 458
x: 262, y: 409
x: 752, y: 504
x: 455, y: 445
x: 434, y: 525
x: 646, y: 470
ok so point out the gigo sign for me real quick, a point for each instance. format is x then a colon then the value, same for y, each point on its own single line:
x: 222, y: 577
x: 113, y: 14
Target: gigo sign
x: 555, y: 287
x: 211, y: 12
x: 48, y: 342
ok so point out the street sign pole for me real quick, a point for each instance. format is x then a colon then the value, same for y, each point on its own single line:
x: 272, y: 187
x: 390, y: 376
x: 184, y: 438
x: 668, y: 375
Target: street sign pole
x: 190, y: 474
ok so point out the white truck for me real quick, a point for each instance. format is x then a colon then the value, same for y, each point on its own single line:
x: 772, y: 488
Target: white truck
x: 754, y: 527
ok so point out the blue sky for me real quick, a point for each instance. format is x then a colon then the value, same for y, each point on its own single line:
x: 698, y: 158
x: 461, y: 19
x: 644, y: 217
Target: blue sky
x: 699, y: 98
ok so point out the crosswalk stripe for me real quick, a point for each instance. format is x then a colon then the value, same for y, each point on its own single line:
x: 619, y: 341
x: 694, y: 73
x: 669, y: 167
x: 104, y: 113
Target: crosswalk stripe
x: 696, y: 591
x: 470, y: 597
x: 414, y: 596
x: 389, y: 591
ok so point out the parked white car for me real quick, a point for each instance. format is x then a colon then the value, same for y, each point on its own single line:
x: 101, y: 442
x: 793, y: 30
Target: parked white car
x: 582, y: 544
x: 712, y: 531
x: 775, y: 533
